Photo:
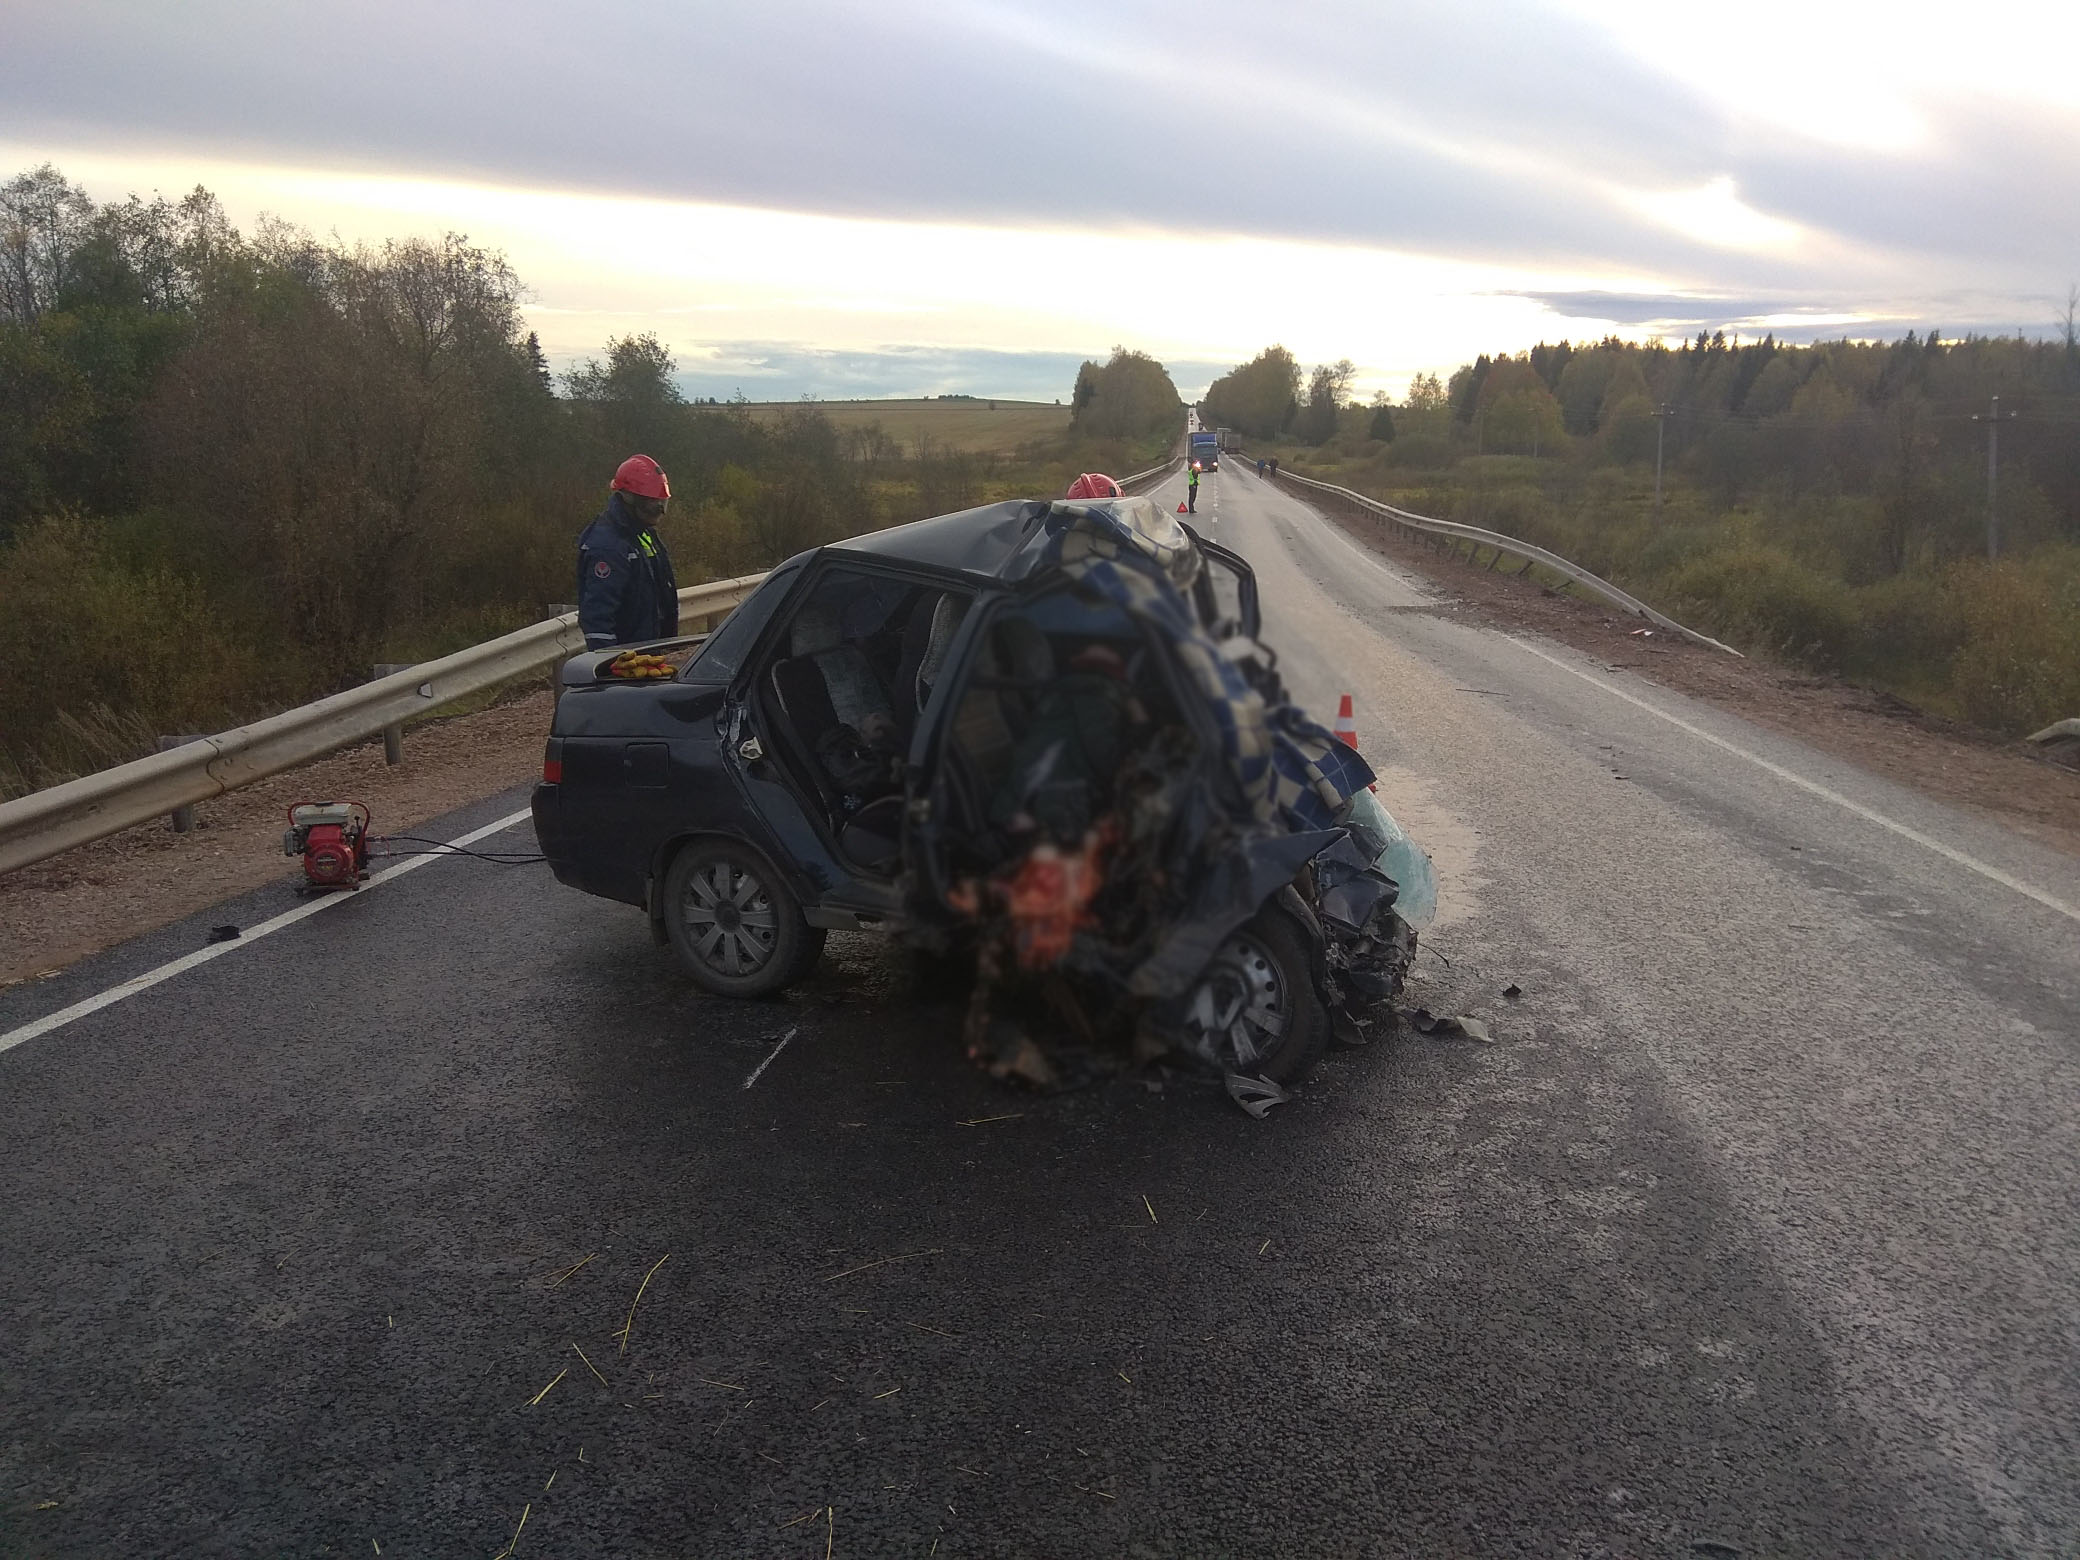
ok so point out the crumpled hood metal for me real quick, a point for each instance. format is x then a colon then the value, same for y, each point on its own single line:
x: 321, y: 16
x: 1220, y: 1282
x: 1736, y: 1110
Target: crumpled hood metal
x: 1295, y: 777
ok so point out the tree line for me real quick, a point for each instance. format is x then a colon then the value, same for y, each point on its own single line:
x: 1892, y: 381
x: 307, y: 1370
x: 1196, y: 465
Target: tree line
x: 238, y: 469
x: 1827, y: 501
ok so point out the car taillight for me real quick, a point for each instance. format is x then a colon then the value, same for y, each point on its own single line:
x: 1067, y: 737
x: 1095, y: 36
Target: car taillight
x: 552, y: 762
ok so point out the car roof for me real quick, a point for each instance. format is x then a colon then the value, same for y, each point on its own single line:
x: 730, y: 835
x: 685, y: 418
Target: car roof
x: 1012, y: 543
x: 997, y: 541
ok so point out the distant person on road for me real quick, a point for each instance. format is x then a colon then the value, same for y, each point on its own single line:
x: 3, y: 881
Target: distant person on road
x: 626, y: 591
x: 1260, y: 465
x: 1191, y: 488
x: 1274, y: 465
x: 1093, y: 484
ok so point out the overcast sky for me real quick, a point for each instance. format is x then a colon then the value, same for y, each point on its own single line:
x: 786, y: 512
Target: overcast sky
x: 804, y: 196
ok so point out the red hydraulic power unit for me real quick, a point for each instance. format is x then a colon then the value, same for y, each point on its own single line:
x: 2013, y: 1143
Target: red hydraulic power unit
x: 332, y: 839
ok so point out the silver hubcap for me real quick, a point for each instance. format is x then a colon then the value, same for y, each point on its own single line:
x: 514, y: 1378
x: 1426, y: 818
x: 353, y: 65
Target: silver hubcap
x: 729, y: 918
x: 1239, y: 1010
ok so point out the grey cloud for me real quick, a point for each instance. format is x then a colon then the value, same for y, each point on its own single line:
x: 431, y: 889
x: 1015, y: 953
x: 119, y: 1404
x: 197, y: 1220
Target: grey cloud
x: 1474, y: 132
x: 1996, y: 188
x: 1186, y: 119
x: 1671, y: 309
x: 1791, y: 321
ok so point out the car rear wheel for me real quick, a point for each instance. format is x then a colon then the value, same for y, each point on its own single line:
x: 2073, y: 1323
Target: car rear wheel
x: 733, y: 922
x: 1253, y: 1009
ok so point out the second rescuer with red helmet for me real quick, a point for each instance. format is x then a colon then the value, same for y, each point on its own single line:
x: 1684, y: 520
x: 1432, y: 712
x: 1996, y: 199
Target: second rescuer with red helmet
x: 626, y: 591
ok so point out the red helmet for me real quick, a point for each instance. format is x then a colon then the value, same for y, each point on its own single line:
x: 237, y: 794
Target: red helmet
x: 642, y: 476
x: 1094, y: 484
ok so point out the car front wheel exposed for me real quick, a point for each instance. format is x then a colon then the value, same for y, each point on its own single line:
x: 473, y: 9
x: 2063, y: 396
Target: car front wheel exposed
x: 1253, y: 1009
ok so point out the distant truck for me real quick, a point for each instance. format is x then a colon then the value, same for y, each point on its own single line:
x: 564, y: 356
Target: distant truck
x: 1205, y: 449
x: 1228, y: 439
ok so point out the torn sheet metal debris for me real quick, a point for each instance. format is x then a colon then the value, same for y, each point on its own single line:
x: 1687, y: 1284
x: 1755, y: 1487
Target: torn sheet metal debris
x: 1425, y: 1022
x: 1255, y: 1095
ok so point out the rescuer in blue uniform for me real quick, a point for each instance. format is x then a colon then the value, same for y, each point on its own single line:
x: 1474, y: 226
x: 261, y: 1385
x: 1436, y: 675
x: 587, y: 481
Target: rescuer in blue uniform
x: 626, y: 592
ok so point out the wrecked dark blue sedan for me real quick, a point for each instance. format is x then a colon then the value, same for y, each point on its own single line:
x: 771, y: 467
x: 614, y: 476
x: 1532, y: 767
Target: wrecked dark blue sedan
x: 1044, y: 735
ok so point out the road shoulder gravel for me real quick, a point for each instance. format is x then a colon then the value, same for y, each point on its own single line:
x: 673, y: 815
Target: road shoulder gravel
x: 59, y: 911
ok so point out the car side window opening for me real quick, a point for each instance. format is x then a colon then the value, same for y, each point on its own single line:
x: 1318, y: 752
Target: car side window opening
x: 850, y: 673
x: 723, y: 651
x: 1066, y: 721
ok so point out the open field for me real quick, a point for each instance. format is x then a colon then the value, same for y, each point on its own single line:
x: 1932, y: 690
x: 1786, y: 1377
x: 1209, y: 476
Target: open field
x: 957, y: 425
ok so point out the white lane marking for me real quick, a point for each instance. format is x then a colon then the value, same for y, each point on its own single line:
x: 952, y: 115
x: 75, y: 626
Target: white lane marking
x: 246, y: 938
x: 1869, y: 815
x: 762, y: 1066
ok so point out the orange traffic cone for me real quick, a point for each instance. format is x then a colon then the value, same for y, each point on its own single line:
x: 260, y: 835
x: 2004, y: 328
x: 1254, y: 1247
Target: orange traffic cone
x: 1346, y: 730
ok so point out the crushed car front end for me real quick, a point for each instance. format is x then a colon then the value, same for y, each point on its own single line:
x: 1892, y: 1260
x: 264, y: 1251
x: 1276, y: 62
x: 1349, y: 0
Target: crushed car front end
x: 1152, y: 847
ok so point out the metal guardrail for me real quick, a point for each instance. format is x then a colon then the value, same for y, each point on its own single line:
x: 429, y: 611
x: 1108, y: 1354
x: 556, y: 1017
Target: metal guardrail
x: 1153, y: 475
x: 1519, y: 549
x: 2059, y: 742
x: 43, y: 823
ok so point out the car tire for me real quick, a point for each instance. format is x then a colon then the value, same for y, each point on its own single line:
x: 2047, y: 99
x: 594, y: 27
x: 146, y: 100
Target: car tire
x: 1261, y: 972
x: 734, y: 923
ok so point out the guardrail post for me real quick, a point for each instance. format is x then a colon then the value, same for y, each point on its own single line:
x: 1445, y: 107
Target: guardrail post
x: 558, y: 609
x: 182, y: 818
x: 393, y: 735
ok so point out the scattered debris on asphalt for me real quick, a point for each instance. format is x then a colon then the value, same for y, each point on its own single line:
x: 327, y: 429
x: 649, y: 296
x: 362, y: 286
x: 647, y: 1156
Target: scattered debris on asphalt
x: 628, y: 1326
x: 1425, y: 1022
x: 220, y: 934
x: 770, y: 1055
x: 531, y: 1402
x: 1255, y: 1095
x: 1512, y: 991
x: 556, y: 1279
x: 907, y: 1256
x: 514, y: 1542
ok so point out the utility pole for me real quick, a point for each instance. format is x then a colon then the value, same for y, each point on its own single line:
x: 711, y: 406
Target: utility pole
x: 1993, y: 418
x: 1661, y: 416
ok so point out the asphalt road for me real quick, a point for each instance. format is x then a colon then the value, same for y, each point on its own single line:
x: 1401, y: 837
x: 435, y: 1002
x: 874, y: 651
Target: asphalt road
x: 1755, y: 1228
